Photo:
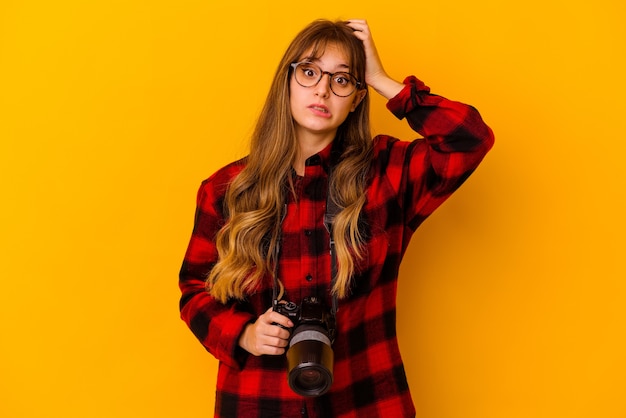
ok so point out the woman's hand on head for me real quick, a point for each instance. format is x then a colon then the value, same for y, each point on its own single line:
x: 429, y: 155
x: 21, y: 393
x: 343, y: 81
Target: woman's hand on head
x: 374, y: 67
x: 265, y: 336
x: 375, y: 74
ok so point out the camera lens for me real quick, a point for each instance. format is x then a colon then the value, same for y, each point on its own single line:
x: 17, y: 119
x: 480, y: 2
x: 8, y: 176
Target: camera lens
x: 310, y: 377
x: 310, y: 362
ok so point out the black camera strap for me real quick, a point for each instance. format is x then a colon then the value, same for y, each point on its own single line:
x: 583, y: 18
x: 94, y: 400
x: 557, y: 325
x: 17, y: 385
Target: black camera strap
x: 329, y: 217
x: 276, y: 296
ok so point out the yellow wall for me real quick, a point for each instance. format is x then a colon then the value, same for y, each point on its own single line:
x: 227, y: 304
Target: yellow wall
x: 513, y: 302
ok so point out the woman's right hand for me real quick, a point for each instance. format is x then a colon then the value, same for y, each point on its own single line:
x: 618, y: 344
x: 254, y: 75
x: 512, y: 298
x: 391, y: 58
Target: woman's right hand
x: 265, y: 336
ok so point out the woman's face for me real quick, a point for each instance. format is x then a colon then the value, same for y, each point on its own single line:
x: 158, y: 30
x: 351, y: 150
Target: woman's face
x: 316, y: 110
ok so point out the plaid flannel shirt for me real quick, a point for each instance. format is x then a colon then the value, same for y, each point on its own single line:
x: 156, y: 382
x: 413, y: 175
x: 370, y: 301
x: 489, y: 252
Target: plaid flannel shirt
x: 409, y: 181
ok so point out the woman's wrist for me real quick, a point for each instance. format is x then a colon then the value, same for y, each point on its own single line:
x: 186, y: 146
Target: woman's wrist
x: 386, y: 86
x: 241, y: 342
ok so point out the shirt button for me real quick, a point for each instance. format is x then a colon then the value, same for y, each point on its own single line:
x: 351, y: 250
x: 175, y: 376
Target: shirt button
x: 307, y: 232
x: 309, y: 277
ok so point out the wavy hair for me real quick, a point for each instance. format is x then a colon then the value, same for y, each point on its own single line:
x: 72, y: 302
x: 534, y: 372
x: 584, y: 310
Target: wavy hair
x: 254, y: 203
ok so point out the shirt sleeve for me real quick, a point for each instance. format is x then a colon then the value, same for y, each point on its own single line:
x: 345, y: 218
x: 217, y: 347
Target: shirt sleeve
x: 216, y: 325
x: 455, y: 140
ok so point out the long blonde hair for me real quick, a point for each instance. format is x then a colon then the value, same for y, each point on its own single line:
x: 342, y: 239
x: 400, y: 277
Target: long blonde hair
x: 255, y: 199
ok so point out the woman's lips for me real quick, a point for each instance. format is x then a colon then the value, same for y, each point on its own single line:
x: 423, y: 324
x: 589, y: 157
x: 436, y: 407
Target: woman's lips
x: 320, y: 110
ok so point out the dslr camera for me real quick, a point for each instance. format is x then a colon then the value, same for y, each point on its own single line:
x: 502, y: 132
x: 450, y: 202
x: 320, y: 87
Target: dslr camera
x: 309, y: 355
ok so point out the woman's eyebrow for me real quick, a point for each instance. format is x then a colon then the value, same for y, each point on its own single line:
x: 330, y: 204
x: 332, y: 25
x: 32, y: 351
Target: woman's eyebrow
x: 319, y: 62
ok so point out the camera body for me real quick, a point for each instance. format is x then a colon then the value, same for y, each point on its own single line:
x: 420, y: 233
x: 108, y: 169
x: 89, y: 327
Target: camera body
x: 310, y: 356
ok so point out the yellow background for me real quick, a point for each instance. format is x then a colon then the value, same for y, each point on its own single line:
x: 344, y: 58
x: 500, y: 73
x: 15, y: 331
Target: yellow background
x: 512, y: 297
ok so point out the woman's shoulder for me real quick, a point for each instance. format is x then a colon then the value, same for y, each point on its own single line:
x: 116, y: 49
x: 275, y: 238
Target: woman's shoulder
x: 227, y: 172
x: 383, y: 141
x: 218, y: 182
x: 383, y: 144
x: 391, y: 153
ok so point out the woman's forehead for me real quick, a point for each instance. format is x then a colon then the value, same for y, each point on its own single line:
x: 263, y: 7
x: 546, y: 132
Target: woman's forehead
x: 330, y: 53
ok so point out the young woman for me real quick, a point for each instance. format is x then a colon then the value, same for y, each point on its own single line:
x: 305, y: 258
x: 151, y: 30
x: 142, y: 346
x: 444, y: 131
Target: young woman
x: 260, y: 233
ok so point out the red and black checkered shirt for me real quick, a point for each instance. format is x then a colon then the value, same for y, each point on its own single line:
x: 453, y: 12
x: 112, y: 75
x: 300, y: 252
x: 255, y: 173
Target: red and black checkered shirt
x: 409, y: 181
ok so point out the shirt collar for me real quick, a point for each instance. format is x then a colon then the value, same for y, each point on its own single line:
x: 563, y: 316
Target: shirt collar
x: 327, y: 157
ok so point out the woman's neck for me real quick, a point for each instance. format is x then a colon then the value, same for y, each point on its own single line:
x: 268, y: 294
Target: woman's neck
x: 310, y: 145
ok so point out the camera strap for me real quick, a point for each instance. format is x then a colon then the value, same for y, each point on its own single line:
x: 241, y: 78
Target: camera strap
x: 276, y: 296
x: 329, y: 217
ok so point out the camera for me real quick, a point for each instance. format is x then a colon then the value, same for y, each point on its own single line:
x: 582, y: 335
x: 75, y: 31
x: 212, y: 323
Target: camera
x: 309, y: 355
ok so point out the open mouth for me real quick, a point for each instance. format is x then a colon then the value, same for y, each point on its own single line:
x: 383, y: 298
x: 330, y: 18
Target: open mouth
x: 320, y: 109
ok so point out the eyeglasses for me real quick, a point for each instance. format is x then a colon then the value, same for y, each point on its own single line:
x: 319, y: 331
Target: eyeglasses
x: 307, y: 74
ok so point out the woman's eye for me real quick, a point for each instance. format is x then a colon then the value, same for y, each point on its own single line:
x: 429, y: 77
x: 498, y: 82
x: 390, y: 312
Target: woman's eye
x: 309, y: 72
x: 342, y: 80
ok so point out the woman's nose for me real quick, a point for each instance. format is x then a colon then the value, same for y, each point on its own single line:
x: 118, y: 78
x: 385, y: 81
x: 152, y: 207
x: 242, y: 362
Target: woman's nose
x: 323, y: 87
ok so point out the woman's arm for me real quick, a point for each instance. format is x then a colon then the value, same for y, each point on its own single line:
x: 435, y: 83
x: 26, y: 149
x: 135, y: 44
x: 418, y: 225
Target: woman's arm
x: 455, y: 137
x: 217, y: 326
x: 223, y: 329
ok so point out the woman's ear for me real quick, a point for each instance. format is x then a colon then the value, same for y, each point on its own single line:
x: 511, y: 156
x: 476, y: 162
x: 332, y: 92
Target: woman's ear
x: 358, y: 98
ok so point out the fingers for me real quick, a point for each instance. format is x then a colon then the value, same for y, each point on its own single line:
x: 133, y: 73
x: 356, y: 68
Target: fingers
x: 362, y: 32
x: 276, y: 318
x: 273, y: 324
x: 259, y: 339
x: 375, y: 74
x: 357, y: 24
x: 374, y: 70
x: 265, y: 336
x: 360, y: 28
x: 271, y: 345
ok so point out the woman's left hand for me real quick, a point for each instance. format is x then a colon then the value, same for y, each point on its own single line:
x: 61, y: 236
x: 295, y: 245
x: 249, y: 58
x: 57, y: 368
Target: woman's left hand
x: 375, y: 74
